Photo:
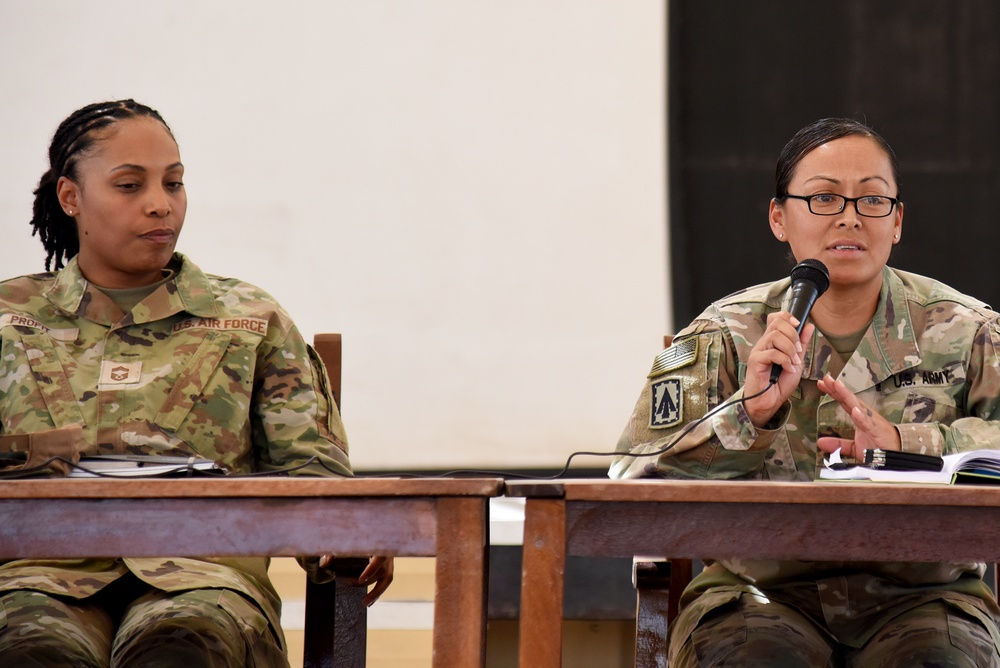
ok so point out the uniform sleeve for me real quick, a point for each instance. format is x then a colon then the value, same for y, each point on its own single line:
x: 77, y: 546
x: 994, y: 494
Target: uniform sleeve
x: 695, y: 375
x: 978, y: 426
x: 296, y: 421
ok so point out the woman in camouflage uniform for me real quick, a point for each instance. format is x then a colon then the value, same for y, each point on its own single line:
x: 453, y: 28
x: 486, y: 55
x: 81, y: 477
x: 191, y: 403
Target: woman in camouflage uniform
x: 890, y: 360
x: 131, y: 348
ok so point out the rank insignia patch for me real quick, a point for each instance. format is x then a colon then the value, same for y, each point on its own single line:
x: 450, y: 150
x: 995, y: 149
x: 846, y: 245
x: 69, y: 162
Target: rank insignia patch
x: 120, y: 373
x: 667, y: 400
x: 676, y: 356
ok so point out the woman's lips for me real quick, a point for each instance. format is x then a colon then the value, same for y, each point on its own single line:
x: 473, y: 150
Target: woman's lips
x: 159, y: 236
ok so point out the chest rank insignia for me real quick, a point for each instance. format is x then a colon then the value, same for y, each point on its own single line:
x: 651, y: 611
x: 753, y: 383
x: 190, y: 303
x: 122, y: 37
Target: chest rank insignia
x: 676, y: 356
x: 120, y: 373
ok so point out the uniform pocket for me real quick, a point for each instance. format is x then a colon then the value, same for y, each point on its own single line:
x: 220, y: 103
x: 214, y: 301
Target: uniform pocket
x: 934, y: 406
x: 969, y: 631
x: 252, y: 622
x: 921, y: 396
x: 50, y: 379
x: 687, y: 623
x: 713, y: 641
x: 190, y: 384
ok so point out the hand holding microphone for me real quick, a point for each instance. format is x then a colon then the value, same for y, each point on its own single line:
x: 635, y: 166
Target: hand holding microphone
x: 810, y: 279
x: 782, y: 340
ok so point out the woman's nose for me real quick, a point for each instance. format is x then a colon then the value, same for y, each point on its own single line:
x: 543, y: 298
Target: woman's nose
x: 158, y: 204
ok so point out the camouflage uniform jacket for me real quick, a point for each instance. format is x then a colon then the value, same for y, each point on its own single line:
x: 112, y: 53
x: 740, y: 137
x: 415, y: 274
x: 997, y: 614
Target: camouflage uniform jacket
x: 928, y: 363
x: 204, y: 366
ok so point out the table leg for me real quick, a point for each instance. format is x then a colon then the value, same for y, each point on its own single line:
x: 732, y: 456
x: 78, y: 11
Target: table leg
x: 460, y: 583
x: 540, y: 635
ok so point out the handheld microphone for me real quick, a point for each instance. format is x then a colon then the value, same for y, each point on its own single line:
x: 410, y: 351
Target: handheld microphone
x: 810, y: 279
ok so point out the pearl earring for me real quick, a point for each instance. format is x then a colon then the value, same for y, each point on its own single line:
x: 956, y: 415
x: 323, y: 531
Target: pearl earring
x: 781, y: 236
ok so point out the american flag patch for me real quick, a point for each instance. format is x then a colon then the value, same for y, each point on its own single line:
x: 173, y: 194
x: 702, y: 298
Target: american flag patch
x: 678, y: 355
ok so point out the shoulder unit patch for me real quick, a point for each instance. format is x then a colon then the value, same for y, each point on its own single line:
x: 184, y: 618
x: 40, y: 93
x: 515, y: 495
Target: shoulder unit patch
x: 667, y: 402
x: 678, y: 355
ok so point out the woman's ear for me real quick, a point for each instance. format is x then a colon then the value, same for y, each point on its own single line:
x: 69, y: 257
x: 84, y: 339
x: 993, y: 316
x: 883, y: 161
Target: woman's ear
x: 775, y: 217
x: 897, y: 231
x: 68, y: 194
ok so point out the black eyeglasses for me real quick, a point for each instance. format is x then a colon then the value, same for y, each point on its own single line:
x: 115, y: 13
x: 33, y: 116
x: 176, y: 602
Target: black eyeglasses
x: 828, y: 204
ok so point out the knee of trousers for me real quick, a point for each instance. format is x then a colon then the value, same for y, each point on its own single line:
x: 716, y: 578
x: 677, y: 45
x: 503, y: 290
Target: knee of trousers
x: 38, y: 629
x: 936, y: 633
x: 219, y: 625
x: 748, y: 631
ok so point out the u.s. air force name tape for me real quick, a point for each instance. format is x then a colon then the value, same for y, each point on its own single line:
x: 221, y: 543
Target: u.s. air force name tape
x: 679, y: 355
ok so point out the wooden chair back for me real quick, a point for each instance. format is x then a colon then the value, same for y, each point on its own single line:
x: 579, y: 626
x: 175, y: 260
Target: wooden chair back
x: 336, y: 621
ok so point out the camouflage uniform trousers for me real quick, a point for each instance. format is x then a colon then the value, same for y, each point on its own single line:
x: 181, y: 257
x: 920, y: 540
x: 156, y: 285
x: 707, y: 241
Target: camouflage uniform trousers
x: 210, y: 628
x: 754, y: 632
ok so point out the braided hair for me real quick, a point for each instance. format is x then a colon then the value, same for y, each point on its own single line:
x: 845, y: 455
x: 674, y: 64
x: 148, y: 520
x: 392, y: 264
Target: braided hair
x: 73, y: 138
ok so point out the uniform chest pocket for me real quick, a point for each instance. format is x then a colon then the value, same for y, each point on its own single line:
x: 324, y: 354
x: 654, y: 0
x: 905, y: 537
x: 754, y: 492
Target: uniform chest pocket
x: 193, y: 380
x: 924, y: 407
x: 922, y: 396
x: 51, y: 380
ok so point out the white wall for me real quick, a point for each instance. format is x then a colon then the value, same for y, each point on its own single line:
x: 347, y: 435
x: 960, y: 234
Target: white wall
x: 472, y: 192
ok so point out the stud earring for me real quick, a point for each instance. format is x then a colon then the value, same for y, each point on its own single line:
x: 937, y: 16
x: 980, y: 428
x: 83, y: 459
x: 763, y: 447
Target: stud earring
x: 781, y: 236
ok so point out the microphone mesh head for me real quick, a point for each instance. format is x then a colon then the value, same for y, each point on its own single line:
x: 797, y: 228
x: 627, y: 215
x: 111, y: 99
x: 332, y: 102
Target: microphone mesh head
x: 813, y: 271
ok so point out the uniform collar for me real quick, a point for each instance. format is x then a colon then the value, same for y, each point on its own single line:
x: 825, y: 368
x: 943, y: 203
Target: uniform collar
x: 190, y: 291
x: 888, y: 347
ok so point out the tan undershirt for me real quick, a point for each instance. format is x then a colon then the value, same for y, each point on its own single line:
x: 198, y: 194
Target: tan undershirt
x: 127, y: 298
x: 844, y: 346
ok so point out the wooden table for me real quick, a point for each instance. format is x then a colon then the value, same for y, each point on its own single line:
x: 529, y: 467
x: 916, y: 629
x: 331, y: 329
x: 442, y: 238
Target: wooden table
x: 725, y: 519
x: 445, y: 518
